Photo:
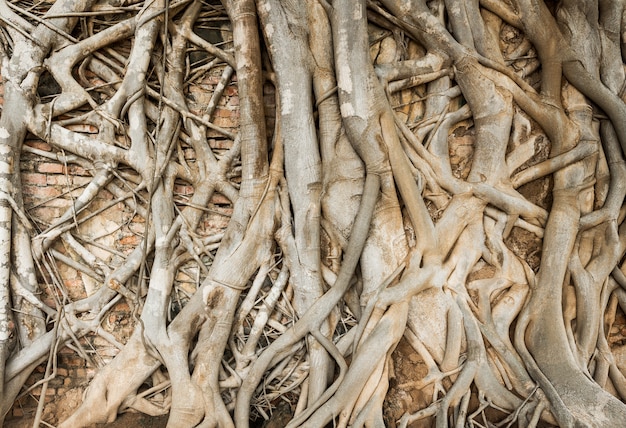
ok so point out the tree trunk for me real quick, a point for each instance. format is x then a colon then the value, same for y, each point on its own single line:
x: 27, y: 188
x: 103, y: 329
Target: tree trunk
x: 353, y: 213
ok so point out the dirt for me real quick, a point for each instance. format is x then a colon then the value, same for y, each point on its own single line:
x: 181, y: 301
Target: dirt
x: 63, y: 406
x: 126, y: 420
x: 404, y: 394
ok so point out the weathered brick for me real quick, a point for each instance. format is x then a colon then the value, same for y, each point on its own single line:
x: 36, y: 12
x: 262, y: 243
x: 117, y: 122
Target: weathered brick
x: 41, y: 192
x: 133, y: 240
x: 78, y: 170
x: 137, y: 228
x: 213, y: 80
x: 51, y: 168
x: 75, y: 288
x: 50, y: 392
x: 81, y: 373
x: 219, y: 199
x: 215, y: 224
x: 223, y: 112
x: 183, y: 189
x: 63, y: 203
x: 225, y: 122
x: 65, y: 351
x: 34, y: 178
x: 84, y: 128
x: 220, y: 143
x: 56, y: 180
x: 108, y: 352
x: 122, y: 307
x: 108, y: 196
x: 38, y: 144
x: 73, y: 361
x: 47, y: 180
x: 43, y: 212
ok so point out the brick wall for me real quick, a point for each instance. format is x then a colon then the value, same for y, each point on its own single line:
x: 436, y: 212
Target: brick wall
x: 49, y: 187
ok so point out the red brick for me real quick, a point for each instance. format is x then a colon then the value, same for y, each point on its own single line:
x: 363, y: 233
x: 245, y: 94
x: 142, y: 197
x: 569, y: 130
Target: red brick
x: 224, y: 122
x: 78, y: 170
x: 108, y: 352
x: 49, y: 301
x: 46, y: 213
x: 73, y: 361
x: 219, y: 199
x: 65, y: 351
x: 220, y: 143
x: 130, y: 240
x: 138, y: 219
x: 65, y: 181
x: 73, y: 284
x: 56, y: 180
x: 183, y: 189
x: 88, y: 129
x: 122, y: 307
x: 215, y: 224
x: 34, y: 178
x: 51, y: 168
x: 222, y: 112
x: 108, y: 196
x: 55, y: 202
x: 57, y: 382
x: 37, y: 144
x: 37, y: 391
x: 41, y: 192
x: 137, y: 228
